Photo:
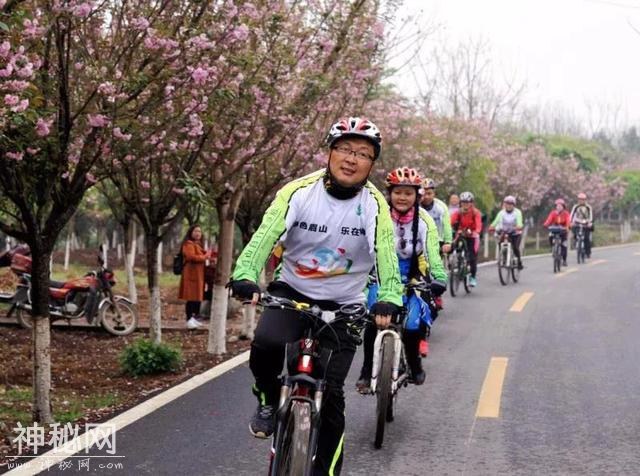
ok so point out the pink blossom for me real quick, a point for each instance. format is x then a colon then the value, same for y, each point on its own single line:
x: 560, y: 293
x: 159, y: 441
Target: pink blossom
x: 129, y: 158
x: 200, y: 75
x: 43, y: 128
x: 32, y: 151
x: 11, y: 100
x: 118, y: 134
x: 106, y: 88
x: 31, y: 28
x: 21, y: 106
x: 90, y: 178
x: 17, y: 156
x: 78, y: 66
x: 140, y: 23
x: 144, y: 184
x: 240, y: 33
x: 6, y: 71
x: 98, y: 120
x: 83, y: 10
x: 178, y: 191
x: 5, y: 48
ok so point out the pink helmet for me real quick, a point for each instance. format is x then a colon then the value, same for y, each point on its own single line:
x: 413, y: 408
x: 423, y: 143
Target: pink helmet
x: 510, y: 199
x: 582, y: 196
x: 560, y: 201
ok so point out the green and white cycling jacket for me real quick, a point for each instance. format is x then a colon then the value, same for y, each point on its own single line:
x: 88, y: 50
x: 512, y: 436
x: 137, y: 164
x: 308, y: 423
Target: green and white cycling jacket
x: 429, y: 260
x: 329, y: 245
x: 505, y: 221
x: 439, y: 211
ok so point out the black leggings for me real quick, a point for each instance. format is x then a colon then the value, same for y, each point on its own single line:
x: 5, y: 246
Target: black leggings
x: 192, y: 309
x: 275, y: 329
x: 515, y: 244
x: 410, y: 339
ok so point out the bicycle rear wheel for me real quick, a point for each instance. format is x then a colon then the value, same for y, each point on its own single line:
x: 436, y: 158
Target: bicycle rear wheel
x: 295, y: 449
x: 557, y: 259
x: 580, y: 251
x: 515, y: 269
x: 384, y: 388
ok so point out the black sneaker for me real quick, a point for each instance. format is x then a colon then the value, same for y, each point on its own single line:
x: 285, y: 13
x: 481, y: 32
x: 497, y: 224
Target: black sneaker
x: 363, y: 385
x: 564, y: 263
x: 420, y: 377
x: 263, y: 422
x: 520, y: 267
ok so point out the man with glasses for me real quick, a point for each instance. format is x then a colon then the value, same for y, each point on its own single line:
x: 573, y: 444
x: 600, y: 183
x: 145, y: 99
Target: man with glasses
x: 334, y: 227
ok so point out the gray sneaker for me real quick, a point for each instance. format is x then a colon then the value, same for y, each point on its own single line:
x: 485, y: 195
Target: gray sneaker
x: 263, y: 422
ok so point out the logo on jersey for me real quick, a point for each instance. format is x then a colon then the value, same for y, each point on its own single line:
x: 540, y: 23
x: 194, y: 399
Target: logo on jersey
x: 324, y: 262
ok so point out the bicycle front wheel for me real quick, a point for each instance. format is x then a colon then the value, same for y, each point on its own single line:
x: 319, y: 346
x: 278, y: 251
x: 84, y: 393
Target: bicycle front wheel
x: 384, y: 388
x: 454, y: 278
x: 294, y: 451
x: 503, y: 266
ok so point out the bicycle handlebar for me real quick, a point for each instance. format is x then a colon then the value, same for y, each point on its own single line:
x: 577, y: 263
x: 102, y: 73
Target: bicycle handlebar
x: 346, y: 312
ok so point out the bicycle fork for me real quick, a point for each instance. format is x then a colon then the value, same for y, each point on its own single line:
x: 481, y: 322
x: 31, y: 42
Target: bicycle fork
x: 377, y: 352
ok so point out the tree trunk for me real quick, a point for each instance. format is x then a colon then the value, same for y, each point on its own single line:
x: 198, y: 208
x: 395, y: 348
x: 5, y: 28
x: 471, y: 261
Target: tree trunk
x: 227, y: 208
x: 159, y: 254
x: 155, y: 303
x: 42, y: 412
x: 130, y: 234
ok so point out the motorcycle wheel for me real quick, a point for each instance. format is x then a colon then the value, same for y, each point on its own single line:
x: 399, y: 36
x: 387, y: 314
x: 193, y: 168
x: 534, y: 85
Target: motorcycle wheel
x: 24, y: 318
x: 112, y: 323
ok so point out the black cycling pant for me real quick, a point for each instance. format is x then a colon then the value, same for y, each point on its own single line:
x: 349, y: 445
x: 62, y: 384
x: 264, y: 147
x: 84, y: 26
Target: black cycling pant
x: 192, y: 309
x: 563, y: 237
x: 472, y: 254
x: 278, y: 327
x: 515, y: 240
x: 410, y: 339
x: 587, y: 239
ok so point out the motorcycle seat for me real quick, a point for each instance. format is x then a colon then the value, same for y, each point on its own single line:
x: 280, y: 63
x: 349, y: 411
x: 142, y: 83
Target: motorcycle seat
x: 56, y: 284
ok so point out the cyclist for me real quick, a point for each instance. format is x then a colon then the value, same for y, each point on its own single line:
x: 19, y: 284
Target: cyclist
x: 468, y: 223
x: 454, y: 203
x: 559, y: 216
x: 416, y: 238
x: 509, y: 220
x: 439, y: 211
x: 334, y: 226
x: 582, y: 214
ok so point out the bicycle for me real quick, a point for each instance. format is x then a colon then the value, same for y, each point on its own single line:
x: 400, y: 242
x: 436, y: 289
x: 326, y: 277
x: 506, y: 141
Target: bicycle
x: 556, y: 247
x: 459, y: 271
x: 389, y: 368
x: 297, y: 428
x: 507, y: 261
x: 580, y: 250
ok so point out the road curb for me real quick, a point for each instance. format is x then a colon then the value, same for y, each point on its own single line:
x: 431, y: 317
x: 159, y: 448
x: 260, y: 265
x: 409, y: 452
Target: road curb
x: 546, y: 255
x: 104, y: 429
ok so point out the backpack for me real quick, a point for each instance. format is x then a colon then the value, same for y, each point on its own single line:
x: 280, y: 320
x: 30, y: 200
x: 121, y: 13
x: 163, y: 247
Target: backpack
x: 178, y: 263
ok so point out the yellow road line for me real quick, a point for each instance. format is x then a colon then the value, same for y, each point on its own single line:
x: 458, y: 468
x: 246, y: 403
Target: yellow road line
x: 568, y: 271
x: 598, y: 261
x: 521, y: 302
x: 489, y: 402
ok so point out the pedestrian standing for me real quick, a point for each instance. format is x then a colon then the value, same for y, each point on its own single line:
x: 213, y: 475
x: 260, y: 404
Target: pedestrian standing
x: 192, y: 277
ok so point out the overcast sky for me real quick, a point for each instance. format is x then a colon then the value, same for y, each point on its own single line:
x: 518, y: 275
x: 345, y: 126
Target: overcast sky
x: 568, y: 50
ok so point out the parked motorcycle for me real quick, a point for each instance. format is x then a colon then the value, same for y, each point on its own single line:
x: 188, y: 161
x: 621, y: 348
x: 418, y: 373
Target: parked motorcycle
x: 9, y: 257
x: 89, y: 297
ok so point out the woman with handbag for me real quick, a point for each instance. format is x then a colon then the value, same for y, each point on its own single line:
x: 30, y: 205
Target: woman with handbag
x: 192, y: 277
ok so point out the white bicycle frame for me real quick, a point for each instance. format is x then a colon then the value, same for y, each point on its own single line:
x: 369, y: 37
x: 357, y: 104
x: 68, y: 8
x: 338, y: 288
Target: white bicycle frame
x: 377, y: 349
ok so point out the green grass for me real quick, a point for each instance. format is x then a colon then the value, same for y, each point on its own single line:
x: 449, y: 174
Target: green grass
x: 15, y: 404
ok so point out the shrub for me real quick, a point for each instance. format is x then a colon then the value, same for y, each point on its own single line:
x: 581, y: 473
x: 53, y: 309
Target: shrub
x: 144, y: 357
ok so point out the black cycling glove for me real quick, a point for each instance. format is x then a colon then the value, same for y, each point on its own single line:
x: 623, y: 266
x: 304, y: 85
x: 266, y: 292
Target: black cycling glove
x: 438, y: 287
x: 243, y: 289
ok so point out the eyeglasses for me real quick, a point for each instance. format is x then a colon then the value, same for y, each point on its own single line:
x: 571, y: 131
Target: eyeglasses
x: 346, y: 150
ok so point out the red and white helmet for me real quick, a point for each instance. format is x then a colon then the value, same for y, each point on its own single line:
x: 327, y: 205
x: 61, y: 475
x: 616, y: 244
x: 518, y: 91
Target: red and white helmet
x: 582, y: 196
x: 355, y: 127
x: 510, y: 199
x: 404, y: 176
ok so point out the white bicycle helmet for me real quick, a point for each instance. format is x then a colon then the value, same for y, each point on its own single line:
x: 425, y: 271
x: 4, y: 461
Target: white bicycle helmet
x: 466, y: 197
x: 356, y: 127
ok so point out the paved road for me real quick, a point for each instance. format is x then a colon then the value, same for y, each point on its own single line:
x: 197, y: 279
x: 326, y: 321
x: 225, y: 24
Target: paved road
x: 570, y: 401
